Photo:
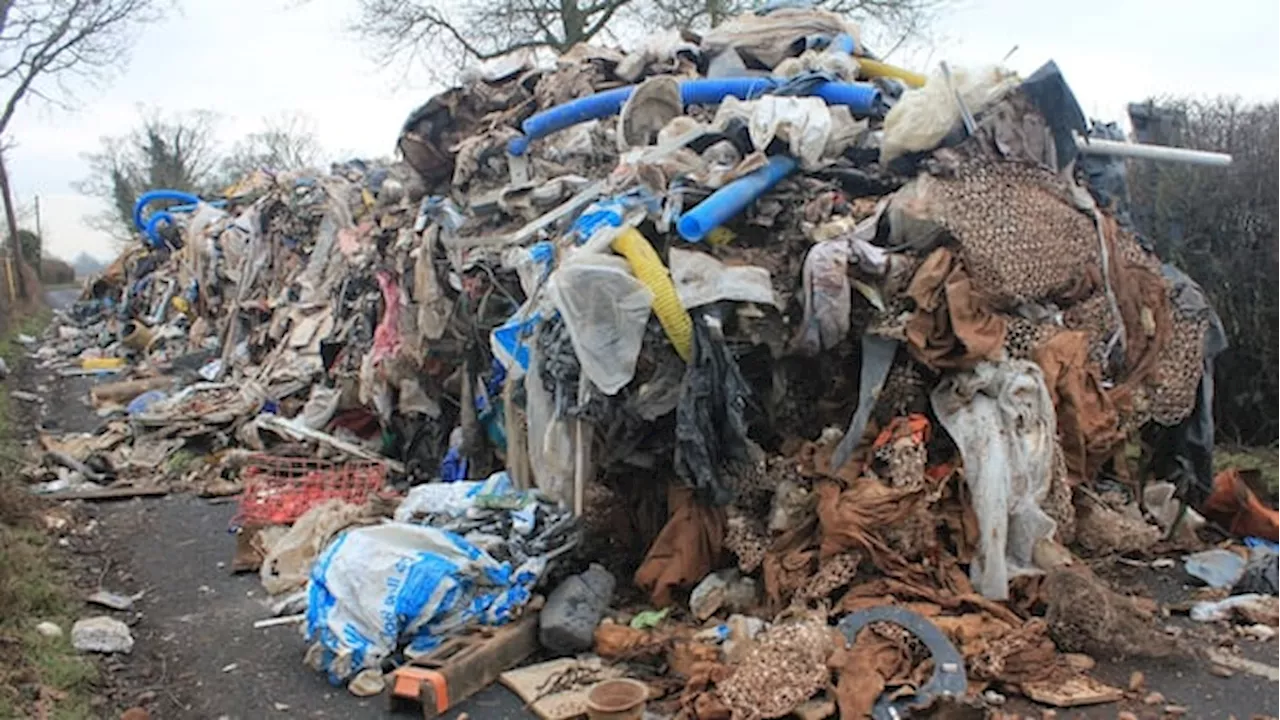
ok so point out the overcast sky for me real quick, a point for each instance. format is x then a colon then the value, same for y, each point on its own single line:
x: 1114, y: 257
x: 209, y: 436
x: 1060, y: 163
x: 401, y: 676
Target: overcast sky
x: 248, y: 59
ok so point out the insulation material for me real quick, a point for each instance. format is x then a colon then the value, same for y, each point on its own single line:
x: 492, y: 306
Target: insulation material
x: 922, y: 118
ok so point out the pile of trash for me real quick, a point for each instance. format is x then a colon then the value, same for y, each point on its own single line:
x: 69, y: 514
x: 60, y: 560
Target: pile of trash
x: 784, y: 334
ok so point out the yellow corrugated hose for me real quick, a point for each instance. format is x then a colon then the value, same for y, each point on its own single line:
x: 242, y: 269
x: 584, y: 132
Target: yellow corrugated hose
x: 874, y: 69
x: 651, y: 273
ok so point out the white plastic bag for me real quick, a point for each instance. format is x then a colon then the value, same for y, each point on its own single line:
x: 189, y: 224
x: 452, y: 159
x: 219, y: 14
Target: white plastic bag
x: 605, y: 308
x: 827, y: 295
x: 1003, y: 420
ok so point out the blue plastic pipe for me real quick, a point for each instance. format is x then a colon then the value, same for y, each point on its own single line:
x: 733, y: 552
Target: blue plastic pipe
x: 151, y: 196
x: 843, y: 43
x: 725, y: 203
x: 712, y: 91
x: 191, y: 207
x: 862, y: 99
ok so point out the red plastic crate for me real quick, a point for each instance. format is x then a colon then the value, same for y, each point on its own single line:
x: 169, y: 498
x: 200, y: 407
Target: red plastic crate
x: 278, y: 490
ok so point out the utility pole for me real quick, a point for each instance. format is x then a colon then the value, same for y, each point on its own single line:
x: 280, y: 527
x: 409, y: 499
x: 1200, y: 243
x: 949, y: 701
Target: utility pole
x: 39, y: 232
x: 15, y: 247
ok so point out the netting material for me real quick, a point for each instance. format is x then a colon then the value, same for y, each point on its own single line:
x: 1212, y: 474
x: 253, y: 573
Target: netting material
x: 278, y: 490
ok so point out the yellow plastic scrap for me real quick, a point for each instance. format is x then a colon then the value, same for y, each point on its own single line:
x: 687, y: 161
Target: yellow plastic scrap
x: 721, y: 236
x: 102, y: 363
x: 874, y: 69
x: 651, y: 273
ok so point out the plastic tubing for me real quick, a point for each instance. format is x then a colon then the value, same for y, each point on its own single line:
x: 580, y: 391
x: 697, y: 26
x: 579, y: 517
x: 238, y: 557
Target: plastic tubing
x: 651, y: 273
x: 190, y: 207
x: 1114, y: 148
x: 151, y: 196
x: 843, y: 43
x: 711, y: 91
x: 732, y: 199
x: 874, y: 69
x: 862, y: 99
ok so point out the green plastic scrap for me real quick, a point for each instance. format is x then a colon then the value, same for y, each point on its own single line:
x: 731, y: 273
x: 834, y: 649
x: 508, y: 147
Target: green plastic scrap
x: 649, y: 619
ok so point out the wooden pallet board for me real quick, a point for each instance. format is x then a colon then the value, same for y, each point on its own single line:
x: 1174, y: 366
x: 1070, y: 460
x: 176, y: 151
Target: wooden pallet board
x: 528, y: 682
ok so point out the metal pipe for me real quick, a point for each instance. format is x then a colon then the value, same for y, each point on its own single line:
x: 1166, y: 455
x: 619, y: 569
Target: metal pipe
x: 1113, y: 148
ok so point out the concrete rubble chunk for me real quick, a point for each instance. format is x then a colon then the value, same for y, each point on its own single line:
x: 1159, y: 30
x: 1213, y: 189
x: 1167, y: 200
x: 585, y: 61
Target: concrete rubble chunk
x: 101, y: 634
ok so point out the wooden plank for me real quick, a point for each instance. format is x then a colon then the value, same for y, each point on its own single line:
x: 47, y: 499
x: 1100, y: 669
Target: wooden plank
x: 108, y: 494
x: 1075, y: 692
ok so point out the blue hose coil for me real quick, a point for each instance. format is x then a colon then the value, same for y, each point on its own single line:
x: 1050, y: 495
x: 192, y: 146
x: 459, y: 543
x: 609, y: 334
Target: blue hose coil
x: 725, y: 203
x: 151, y: 196
x: 861, y: 98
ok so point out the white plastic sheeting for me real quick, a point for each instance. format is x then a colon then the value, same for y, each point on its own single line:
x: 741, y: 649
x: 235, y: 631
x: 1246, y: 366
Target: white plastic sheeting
x: 1002, y: 418
x: 805, y: 123
x: 701, y: 279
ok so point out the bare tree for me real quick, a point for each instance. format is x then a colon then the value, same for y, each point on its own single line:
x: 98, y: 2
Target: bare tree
x: 888, y: 21
x: 288, y: 142
x: 418, y: 30
x: 427, y: 32
x: 177, y: 152
x: 46, y: 43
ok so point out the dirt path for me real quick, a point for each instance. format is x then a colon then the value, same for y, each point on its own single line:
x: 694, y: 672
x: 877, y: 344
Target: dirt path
x: 198, y: 655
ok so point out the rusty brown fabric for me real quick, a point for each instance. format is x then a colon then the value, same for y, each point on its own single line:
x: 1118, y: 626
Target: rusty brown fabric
x: 953, y: 597
x: 1141, y: 294
x: 689, y: 547
x: 1234, y: 505
x: 849, y: 519
x: 1088, y: 424
x: 953, y: 325
x: 622, y: 642
x: 789, y: 564
x: 864, y: 670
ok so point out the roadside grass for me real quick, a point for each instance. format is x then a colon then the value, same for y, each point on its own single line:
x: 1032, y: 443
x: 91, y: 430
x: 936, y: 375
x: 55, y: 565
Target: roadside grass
x: 39, y: 676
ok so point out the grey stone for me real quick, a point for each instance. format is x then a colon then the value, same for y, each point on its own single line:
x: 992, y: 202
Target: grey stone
x: 568, y: 621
